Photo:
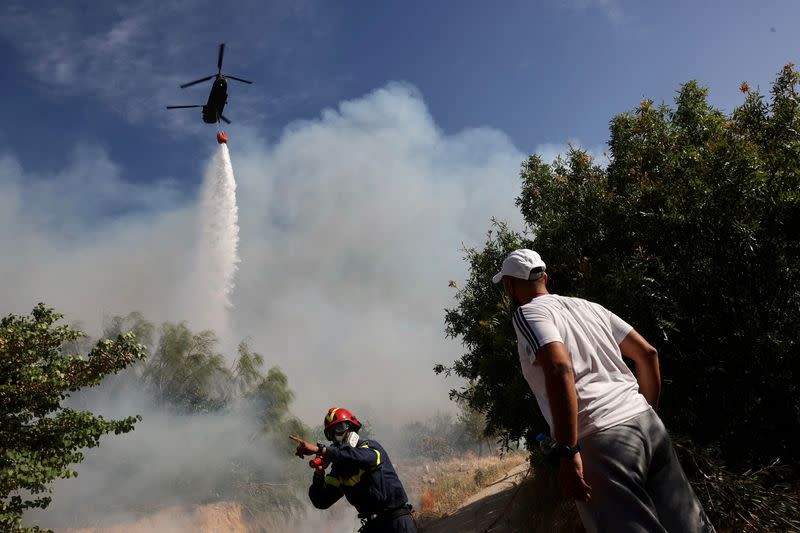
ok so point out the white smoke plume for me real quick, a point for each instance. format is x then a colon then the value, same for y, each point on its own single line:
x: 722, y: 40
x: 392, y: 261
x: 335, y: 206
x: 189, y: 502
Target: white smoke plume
x: 350, y: 225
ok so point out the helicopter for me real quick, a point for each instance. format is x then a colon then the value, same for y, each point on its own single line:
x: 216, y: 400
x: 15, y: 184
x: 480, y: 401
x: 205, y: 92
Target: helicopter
x: 218, y: 97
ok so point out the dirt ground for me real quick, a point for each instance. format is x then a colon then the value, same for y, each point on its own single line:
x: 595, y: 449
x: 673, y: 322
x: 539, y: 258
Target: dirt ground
x: 491, y: 510
x: 519, y: 500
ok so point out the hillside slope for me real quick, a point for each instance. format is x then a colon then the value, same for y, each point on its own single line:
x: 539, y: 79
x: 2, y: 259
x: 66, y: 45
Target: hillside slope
x: 492, y: 509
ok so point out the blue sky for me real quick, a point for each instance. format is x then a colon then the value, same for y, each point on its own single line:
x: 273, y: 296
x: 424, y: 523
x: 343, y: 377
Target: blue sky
x: 542, y: 72
x: 377, y: 140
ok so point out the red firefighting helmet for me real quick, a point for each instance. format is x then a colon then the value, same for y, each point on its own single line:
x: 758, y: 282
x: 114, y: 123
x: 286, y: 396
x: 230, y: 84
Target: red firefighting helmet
x: 337, y: 415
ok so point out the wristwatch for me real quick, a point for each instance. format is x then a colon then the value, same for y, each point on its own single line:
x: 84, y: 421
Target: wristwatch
x: 565, y: 451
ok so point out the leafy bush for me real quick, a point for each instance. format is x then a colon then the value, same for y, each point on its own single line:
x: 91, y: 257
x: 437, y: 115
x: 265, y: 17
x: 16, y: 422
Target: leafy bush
x: 39, y: 437
x: 690, y: 234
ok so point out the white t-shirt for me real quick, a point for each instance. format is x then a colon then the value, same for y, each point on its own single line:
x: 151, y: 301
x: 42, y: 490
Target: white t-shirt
x: 607, y: 390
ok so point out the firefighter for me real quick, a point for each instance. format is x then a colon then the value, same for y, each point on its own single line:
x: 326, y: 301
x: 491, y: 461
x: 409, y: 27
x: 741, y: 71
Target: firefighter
x: 361, y: 472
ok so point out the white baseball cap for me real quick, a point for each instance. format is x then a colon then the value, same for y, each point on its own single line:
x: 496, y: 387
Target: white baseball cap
x: 520, y: 264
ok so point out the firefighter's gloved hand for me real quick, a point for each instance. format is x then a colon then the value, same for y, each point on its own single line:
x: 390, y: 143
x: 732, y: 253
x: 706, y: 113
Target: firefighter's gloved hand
x: 319, y: 465
x: 318, y: 462
x: 304, y: 448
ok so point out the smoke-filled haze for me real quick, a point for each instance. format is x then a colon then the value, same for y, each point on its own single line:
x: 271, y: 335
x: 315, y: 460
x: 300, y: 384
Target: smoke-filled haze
x: 351, y: 222
x: 351, y: 226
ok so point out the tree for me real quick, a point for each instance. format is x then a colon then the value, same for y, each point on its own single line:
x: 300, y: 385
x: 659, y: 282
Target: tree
x: 472, y: 428
x: 39, y: 438
x: 136, y: 323
x: 186, y: 372
x: 271, y: 400
x: 436, y: 438
x: 690, y: 234
x: 246, y: 373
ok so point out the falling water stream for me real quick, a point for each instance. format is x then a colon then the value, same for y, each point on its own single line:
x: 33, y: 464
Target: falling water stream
x: 219, y: 239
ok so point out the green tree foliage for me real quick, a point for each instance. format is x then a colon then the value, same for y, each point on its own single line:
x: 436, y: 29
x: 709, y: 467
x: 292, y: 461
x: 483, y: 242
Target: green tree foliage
x: 247, y: 371
x: 482, y: 321
x: 271, y: 398
x: 690, y: 233
x: 186, y: 372
x: 39, y: 438
x: 472, y: 428
x: 135, y: 323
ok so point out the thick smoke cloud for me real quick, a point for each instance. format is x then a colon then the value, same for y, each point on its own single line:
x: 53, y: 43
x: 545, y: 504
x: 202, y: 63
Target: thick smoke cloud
x: 351, y: 228
x: 355, y: 223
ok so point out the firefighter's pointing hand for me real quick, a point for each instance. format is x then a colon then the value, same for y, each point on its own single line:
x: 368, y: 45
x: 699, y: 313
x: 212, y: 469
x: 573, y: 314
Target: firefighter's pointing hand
x: 304, y: 448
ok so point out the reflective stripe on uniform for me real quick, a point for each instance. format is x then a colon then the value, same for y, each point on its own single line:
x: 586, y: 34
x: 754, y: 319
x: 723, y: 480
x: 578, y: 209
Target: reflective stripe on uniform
x: 339, y: 482
x: 378, y: 461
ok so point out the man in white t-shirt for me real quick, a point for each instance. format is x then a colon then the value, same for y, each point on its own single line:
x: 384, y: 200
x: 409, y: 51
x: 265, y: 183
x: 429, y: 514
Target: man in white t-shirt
x: 616, y: 459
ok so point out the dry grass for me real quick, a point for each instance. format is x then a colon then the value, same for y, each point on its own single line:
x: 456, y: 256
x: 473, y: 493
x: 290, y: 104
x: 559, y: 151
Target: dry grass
x: 446, y: 485
x: 438, y: 489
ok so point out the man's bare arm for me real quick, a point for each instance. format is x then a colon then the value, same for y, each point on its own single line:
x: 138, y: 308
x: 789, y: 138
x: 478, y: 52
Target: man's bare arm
x: 648, y: 373
x: 560, y: 383
x: 559, y: 379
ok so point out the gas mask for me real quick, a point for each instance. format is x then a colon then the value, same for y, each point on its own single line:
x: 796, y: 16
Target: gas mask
x: 338, y: 438
x: 341, y: 434
x: 350, y: 439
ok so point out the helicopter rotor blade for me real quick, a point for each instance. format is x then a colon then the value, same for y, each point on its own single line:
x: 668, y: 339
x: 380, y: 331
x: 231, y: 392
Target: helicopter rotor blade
x: 219, y: 59
x: 181, y: 106
x: 224, y: 118
x: 201, y: 80
x: 237, y: 79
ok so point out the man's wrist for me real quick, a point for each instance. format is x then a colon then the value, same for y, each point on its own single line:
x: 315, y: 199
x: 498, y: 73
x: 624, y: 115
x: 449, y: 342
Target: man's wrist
x: 565, y: 451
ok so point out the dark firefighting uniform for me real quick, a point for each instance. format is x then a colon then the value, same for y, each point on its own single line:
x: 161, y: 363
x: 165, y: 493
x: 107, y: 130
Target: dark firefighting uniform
x: 365, y: 476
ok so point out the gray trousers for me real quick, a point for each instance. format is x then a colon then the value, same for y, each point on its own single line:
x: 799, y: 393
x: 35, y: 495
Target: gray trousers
x: 637, y: 483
